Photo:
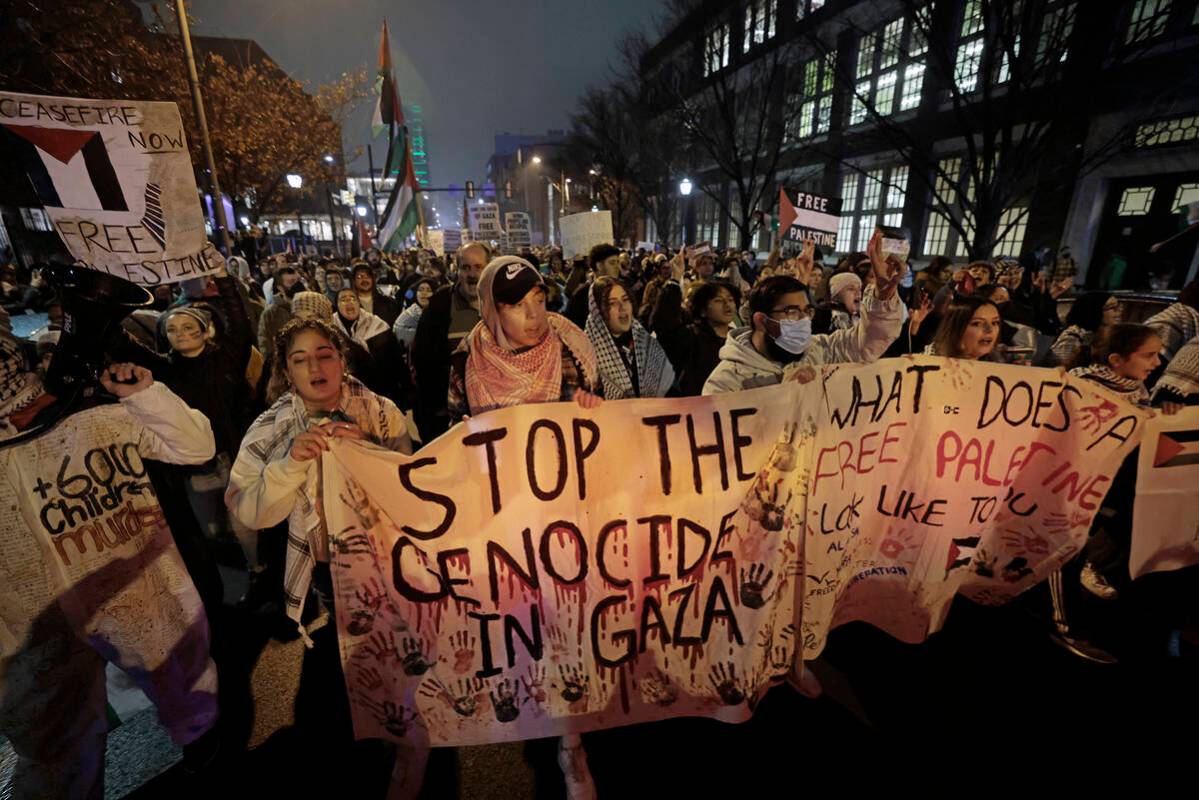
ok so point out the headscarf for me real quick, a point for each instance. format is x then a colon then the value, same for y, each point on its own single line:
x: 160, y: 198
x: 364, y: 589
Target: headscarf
x: 312, y: 304
x: 498, y: 376
x: 655, y: 375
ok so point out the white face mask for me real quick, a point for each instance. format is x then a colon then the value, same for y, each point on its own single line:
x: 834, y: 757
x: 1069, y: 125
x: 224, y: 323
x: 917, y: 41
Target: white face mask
x: 794, y: 335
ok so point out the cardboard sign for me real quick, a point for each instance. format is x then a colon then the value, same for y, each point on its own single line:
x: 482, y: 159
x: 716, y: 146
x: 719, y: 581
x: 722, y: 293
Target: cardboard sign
x: 812, y: 217
x: 485, y: 221
x: 452, y: 238
x: 519, y: 229
x: 435, y: 241
x: 581, y: 232
x: 1165, y: 523
x: 544, y: 569
x: 115, y: 178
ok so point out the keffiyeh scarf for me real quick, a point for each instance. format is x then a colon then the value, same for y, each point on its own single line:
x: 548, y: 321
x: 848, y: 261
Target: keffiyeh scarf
x: 270, y: 439
x: 655, y: 375
x: 1131, y: 390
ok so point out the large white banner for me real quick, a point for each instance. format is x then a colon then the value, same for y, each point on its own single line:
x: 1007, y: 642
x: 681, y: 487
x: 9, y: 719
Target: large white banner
x: 115, y: 178
x: 581, y: 232
x: 545, y: 569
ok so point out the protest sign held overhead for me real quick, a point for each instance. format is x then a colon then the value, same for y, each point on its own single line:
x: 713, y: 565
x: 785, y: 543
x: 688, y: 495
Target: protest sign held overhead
x: 521, y: 577
x: 436, y: 242
x: 452, y: 238
x: 485, y: 221
x: 811, y: 217
x: 115, y: 178
x: 581, y: 232
x: 519, y: 229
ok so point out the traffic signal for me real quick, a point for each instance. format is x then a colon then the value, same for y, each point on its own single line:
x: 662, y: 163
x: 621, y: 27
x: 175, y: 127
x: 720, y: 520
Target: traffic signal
x: 508, y: 189
x: 470, y: 190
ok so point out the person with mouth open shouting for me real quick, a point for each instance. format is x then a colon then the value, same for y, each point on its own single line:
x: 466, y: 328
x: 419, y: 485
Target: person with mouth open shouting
x: 276, y: 476
x: 631, y: 361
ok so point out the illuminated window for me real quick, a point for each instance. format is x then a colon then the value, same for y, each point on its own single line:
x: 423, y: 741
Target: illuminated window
x: 913, y: 83
x: 849, y: 199
x: 866, y: 54
x: 884, y: 95
x: 1136, y: 200
x: 1187, y: 193
x: 1055, y: 34
x: 936, y: 235
x: 892, y: 39
x: 1012, y: 224
x: 716, y: 49
x: 969, y: 60
x: 1167, y: 132
x: 857, y: 113
x: 35, y: 219
x: 876, y: 207
x: 1148, y: 20
x: 810, y: 99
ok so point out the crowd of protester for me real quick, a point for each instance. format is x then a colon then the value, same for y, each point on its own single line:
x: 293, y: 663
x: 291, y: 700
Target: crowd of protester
x: 281, y: 353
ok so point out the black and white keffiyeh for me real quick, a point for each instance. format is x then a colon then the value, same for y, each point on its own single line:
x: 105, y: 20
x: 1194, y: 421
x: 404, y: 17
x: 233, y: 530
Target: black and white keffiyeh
x: 1181, y: 377
x: 1133, y: 391
x: 1176, y: 325
x: 655, y: 375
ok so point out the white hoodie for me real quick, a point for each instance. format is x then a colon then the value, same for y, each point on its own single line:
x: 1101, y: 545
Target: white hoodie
x: 743, y: 367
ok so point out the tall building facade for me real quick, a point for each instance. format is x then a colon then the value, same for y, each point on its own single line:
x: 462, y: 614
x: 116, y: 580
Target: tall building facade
x: 1069, y: 124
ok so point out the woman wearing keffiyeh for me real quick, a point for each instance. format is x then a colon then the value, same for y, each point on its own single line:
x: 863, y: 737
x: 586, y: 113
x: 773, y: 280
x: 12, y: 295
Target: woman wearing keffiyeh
x: 521, y: 353
x: 631, y: 361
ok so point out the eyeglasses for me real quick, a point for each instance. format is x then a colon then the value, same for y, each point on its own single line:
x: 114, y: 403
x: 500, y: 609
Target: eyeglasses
x: 794, y: 312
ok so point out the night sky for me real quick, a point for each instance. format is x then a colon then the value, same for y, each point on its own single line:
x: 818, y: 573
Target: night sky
x: 477, y: 68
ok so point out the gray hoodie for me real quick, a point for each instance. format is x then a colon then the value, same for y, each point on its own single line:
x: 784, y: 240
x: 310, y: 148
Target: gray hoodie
x: 743, y: 367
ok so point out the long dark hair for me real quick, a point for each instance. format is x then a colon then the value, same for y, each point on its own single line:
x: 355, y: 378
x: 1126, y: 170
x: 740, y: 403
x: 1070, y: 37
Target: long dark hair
x: 1087, y: 311
x: 1122, y: 339
x: 947, y: 341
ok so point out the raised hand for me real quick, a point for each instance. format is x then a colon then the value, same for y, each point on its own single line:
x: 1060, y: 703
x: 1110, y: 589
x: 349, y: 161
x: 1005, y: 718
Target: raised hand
x: 888, y: 270
x: 125, y: 380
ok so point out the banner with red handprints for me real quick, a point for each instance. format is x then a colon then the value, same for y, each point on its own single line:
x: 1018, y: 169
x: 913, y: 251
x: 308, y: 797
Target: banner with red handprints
x: 545, y: 569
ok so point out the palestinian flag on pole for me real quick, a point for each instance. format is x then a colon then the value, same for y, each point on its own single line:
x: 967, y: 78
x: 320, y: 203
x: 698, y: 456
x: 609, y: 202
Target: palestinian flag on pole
x: 400, y: 217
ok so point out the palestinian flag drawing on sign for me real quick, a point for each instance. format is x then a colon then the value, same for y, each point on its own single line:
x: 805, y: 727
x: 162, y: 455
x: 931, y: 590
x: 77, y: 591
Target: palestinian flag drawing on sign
x: 400, y: 217
x: 68, y: 168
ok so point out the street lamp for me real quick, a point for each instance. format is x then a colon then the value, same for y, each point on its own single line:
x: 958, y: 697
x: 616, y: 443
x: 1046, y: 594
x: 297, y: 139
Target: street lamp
x: 592, y: 172
x: 361, y: 211
x: 685, y: 187
x: 536, y: 159
x: 294, y: 181
x: 328, y: 158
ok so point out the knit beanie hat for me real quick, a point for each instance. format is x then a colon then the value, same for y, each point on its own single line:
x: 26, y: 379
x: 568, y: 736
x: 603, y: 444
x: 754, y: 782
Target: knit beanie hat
x: 312, y: 304
x: 842, y: 281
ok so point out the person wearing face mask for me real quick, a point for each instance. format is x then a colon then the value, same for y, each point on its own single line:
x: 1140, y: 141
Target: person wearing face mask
x: 631, y: 361
x: 840, y: 312
x: 780, y: 334
x: 406, y: 323
x: 451, y: 314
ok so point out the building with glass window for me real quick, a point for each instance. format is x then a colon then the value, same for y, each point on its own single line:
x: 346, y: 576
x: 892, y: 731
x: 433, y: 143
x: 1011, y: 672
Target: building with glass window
x: 984, y: 129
